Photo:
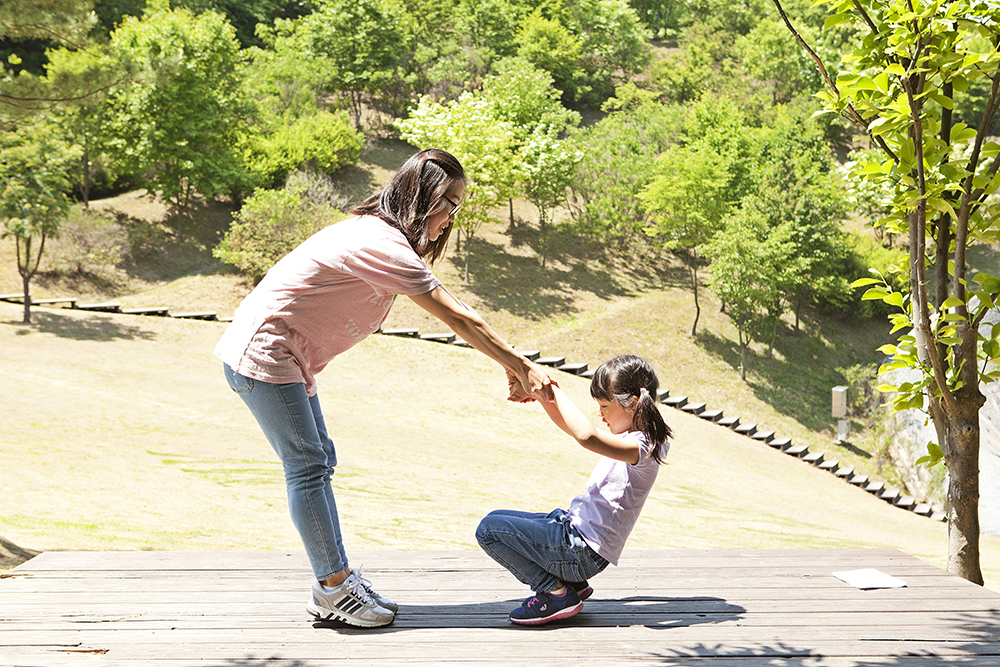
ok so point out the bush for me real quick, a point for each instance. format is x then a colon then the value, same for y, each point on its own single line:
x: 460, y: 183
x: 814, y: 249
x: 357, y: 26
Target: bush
x: 90, y: 243
x: 323, y: 142
x: 270, y: 225
x: 867, y: 253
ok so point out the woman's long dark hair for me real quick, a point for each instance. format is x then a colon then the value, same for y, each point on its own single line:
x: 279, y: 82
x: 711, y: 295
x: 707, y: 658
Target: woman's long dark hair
x: 415, y: 190
x: 626, y: 377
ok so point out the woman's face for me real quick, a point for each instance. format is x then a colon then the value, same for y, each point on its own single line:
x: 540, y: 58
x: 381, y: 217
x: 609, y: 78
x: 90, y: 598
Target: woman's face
x: 442, y: 216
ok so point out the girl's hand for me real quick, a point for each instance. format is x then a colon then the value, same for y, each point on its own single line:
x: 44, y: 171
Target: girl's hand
x: 517, y: 393
x: 537, y: 383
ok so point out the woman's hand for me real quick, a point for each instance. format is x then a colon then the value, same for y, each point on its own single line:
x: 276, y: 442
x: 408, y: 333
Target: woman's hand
x: 517, y: 393
x: 535, y: 384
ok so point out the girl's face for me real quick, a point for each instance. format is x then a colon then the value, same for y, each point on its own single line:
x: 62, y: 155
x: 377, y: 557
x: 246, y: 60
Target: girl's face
x: 442, y: 216
x: 617, y: 418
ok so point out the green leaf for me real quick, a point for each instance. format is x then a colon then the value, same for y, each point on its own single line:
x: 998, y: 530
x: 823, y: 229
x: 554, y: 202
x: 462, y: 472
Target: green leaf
x: 834, y: 20
x: 895, y: 69
x: 952, y: 302
x: 990, y: 283
x: 893, y: 299
x: 861, y: 282
x: 873, y: 294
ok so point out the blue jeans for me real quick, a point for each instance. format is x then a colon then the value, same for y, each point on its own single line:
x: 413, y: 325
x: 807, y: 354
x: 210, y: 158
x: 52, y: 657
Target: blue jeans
x: 293, y: 423
x: 542, y: 550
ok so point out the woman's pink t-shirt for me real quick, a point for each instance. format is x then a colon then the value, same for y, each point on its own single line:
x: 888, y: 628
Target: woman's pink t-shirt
x: 328, y: 294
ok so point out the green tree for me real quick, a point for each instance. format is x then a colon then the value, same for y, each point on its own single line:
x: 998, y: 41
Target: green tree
x: 613, y: 41
x: 178, y: 126
x: 696, y: 185
x: 56, y: 23
x: 898, y: 86
x: 33, y: 195
x: 469, y: 129
x: 547, y: 164
x: 749, y: 261
x: 493, y: 24
x: 770, y: 55
x: 619, y: 157
x: 523, y: 95
x: 322, y: 142
x: 688, y: 200
x: 548, y: 45
x: 87, y: 121
x: 797, y: 190
x: 359, y: 44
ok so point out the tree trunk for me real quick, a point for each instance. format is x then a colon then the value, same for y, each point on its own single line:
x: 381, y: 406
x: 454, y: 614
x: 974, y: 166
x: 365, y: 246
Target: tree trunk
x: 25, y: 281
x: 85, y: 186
x: 697, y: 306
x: 24, y: 268
x: 543, y: 224
x: 694, y: 287
x: 961, y: 456
x: 774, y: 335
x: 468, y: 248
x: 743, y: 351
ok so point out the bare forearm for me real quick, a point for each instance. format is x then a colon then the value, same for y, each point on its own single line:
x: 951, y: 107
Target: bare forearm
x: 567, y: 416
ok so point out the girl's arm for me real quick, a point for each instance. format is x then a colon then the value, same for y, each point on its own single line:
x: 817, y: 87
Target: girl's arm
x: 564, y: 413
x: 467, y: 323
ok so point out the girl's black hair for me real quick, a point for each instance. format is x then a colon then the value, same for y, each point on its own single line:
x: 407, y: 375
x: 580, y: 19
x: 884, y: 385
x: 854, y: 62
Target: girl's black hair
x: 414, y: 191
x: 626, y: 377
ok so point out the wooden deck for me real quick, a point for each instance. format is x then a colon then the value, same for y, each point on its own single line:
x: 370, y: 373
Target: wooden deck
x: 698, y: 608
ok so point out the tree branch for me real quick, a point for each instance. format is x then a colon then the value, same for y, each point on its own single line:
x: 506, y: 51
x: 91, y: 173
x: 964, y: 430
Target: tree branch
x: 852, y: 114
x: 867, y: 19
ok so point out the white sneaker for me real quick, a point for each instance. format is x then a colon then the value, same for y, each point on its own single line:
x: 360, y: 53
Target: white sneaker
x: 380, y: 599
x: 350, y: 602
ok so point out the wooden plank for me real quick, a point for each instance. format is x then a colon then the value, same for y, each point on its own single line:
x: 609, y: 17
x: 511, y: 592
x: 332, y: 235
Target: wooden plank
x: 66, y: 561
x: 699, y: 608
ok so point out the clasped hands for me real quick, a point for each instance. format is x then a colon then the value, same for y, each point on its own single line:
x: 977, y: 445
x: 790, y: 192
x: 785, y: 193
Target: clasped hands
x: 540, y: 389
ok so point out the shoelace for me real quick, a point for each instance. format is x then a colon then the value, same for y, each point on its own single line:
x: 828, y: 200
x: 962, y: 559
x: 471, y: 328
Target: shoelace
x: 358, y: 586
x: 364, y: 582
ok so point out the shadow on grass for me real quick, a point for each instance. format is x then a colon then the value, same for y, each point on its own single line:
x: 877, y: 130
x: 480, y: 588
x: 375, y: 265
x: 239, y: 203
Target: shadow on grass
x: 159, y: 253
x: 389, y: 154
x: 798, y: 379
x: 99, y: 329
x: 520, y: 284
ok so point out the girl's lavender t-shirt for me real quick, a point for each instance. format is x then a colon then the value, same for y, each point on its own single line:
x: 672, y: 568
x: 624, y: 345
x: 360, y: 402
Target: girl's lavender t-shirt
x: 328, y: 294
x: 605, y: 515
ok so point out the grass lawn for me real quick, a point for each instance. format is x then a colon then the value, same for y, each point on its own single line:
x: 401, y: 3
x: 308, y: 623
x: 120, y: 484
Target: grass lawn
x: 120, y: 433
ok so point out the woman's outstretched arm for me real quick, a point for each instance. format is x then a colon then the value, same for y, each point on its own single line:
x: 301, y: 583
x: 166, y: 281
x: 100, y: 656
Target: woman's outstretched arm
x: 474, y: 330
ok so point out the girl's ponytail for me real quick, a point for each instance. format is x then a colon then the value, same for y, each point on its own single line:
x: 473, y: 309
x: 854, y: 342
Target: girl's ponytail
x: 647, y: 418
x: 628, y: 377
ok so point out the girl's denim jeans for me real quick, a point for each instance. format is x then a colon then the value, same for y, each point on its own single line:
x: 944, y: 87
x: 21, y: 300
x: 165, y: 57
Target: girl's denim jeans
x: 542, y: 550
x: 293, y: 423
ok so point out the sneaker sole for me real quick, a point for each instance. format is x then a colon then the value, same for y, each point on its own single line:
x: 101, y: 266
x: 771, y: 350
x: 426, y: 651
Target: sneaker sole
x: 323, y: 614
x: 565, y: 613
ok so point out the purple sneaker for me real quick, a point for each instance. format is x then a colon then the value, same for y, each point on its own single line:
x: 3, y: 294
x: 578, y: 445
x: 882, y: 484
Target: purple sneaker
x: 544, y: 607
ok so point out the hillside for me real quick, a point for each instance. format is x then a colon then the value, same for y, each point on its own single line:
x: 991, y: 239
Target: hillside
x: 586, y: 305
x: 122, y: 434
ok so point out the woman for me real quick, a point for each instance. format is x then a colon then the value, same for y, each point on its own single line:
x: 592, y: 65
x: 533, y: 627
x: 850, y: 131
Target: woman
x: 325, y: 296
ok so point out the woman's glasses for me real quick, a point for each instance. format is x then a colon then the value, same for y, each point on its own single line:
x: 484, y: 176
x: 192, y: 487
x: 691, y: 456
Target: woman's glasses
x: 454, y: 207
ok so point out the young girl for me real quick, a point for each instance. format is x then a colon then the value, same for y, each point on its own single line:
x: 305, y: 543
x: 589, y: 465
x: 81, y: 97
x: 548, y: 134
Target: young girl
x: 556, y: 553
